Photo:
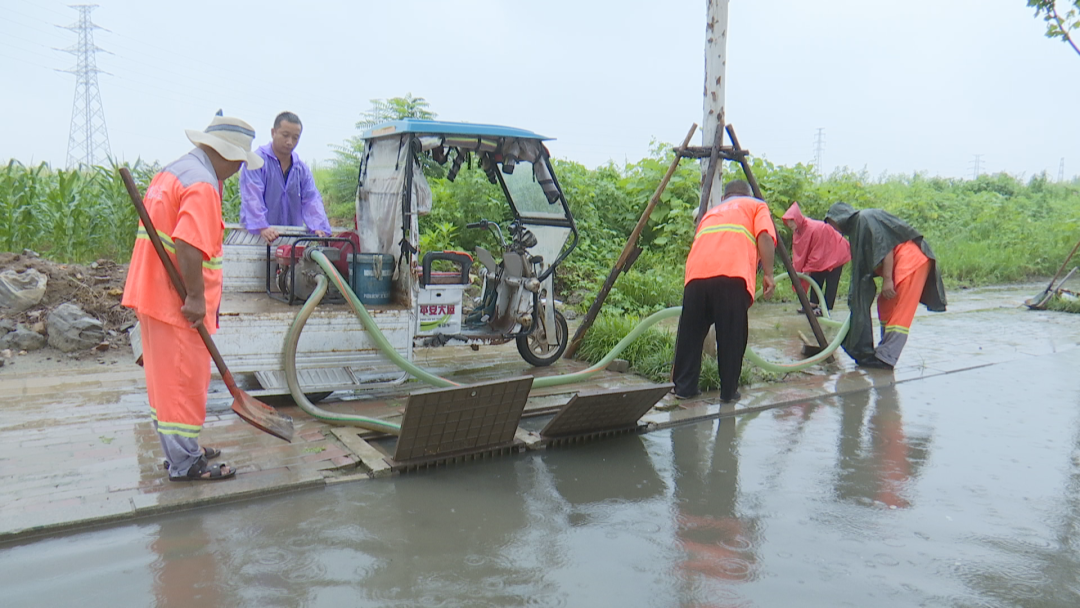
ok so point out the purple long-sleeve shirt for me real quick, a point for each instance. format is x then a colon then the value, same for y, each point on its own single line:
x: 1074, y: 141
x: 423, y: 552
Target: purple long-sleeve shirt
x: 267, y: 198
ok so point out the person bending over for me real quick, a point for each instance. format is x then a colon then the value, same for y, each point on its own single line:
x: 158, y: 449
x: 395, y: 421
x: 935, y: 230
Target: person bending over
x: 886, y: 246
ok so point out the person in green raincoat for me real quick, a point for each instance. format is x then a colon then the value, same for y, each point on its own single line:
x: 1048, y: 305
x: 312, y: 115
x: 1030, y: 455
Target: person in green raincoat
x: 886, y: 246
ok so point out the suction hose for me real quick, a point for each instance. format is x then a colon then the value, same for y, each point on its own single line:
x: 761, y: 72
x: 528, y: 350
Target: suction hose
x: 292, y: 338
x: 784, y: 368
x: 375, y: 334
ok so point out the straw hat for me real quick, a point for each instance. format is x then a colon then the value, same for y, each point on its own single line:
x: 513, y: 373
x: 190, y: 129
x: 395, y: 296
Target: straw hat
x: 231, y: 138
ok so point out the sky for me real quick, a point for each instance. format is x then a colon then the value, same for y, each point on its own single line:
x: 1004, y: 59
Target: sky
x: 896, y: 86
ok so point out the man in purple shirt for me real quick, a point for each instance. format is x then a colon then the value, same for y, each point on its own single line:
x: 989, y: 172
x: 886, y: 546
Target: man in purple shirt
x: 282, y: 192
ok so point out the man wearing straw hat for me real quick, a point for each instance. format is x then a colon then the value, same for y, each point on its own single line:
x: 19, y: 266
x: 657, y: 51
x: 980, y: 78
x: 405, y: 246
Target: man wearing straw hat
x: 184, y: 203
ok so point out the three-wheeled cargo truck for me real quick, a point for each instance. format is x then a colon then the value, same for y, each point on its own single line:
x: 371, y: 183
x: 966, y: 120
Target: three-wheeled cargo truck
x: 412, y: 302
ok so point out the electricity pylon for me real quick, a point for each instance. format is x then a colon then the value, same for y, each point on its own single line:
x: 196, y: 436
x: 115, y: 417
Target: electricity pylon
x: 819, y: 148
x: 88, y: 139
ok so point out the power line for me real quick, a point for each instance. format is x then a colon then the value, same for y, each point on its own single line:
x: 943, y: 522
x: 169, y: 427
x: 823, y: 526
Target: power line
x: 88, y: 138
x: 25, y: 61
x: 1061, y: 170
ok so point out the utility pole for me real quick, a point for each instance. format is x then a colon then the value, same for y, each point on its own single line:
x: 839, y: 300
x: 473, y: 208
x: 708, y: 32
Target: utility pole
x: 975, y: 171
x: 819, y: 147
x: 716, y: 23
x: 88, y: 139
x: 1061, y: 170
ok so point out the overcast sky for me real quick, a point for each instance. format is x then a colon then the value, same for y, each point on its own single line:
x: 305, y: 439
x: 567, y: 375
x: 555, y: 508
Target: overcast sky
x: 897, y: 85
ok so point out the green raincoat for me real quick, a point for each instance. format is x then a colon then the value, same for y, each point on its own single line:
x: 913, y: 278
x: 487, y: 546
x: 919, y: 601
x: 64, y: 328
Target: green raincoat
x: 873, y: 234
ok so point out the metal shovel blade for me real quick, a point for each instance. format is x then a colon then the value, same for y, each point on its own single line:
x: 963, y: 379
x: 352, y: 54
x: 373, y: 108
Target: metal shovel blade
x: 262, y: 416
x: 1039, y: 301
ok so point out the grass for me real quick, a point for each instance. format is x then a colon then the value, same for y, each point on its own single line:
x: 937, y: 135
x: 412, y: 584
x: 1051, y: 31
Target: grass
x: 651, y: 354
x: 1067, y: 303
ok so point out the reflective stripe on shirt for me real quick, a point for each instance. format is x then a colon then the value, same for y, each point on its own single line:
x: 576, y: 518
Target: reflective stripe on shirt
x: 167, y: 243
x: 725, y: 228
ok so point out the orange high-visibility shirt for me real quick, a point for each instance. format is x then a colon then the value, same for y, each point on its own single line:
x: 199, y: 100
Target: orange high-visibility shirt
x: 726, y: 241
x: 184, y: 203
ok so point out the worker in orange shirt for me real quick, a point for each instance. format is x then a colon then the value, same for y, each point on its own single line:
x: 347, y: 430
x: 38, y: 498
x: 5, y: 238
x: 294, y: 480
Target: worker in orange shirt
x: 719, y: 286
x: 184, y: 203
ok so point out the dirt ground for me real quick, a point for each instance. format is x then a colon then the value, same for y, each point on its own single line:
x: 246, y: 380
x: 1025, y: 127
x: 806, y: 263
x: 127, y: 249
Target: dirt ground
x: 97, y: 288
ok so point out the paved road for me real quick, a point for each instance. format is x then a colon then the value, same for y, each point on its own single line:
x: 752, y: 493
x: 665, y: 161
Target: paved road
x: 77, y: 450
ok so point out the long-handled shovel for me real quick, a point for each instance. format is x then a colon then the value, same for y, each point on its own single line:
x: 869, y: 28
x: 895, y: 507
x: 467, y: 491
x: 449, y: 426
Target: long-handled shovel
x: 257, y: 413
x: 1040, y: 300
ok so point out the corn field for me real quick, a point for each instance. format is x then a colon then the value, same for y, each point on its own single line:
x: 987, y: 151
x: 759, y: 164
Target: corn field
x: 76, y: 215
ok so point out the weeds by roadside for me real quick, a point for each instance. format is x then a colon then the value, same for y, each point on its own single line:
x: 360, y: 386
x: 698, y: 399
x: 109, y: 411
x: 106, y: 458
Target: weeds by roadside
x: 652, y: 353
x: 1064, y: 303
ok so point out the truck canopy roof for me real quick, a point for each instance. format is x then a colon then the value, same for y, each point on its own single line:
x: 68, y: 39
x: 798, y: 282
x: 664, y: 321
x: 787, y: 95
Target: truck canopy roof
x: 439, y: 127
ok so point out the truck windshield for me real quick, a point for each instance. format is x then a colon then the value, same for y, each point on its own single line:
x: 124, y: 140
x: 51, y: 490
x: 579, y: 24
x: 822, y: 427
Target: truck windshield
x: 527, y: 195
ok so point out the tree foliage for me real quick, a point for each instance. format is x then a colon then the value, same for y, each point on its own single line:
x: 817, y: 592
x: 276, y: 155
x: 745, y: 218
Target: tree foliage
x: 1059, y: 23
x: 996, y: 228
x: 395, y: 108
x: 340, y: 191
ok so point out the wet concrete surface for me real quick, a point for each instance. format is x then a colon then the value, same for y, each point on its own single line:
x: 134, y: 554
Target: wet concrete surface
x: 957, y: 490
x: 951, y: 481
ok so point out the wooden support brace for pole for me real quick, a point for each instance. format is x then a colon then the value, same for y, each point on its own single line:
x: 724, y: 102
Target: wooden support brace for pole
x: 710, y: 171
x: 725, y: 152
x: 628, y: 253
x: 782, y: 249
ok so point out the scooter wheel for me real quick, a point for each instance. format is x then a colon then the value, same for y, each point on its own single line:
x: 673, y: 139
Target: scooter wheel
x: 532, y: 351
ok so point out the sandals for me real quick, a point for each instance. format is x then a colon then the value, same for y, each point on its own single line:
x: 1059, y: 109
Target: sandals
x: 208, y: 453
x: 200, y: 468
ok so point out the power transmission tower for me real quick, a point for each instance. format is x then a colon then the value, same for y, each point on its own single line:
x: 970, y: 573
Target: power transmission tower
x: 88, y: 139
x: 975, y: 172
x: 819, y: 147
x: 1061, y: 170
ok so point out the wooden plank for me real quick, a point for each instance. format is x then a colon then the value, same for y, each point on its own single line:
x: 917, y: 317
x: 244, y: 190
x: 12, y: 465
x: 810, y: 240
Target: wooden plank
x: 371, y: 458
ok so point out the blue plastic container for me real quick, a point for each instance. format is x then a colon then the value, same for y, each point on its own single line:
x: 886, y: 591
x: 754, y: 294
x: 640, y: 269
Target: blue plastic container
x: 372, y: 281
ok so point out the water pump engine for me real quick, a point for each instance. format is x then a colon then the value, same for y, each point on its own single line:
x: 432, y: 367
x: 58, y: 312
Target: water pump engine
x: 297, y: 272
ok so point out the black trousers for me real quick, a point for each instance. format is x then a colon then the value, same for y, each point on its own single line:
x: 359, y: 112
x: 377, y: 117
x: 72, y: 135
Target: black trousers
x: 829, y: 280
x: 719, y: 301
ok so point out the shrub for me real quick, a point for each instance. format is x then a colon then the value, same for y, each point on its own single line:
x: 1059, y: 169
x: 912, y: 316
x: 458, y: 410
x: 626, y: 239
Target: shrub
x: 651, y: 355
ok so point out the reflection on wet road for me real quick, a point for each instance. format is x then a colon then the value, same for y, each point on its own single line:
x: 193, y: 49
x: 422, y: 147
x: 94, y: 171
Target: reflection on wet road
x: 957, y: 490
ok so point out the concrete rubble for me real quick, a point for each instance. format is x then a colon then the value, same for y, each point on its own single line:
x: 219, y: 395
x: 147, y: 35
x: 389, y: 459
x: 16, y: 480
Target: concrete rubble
x: 71, y: 329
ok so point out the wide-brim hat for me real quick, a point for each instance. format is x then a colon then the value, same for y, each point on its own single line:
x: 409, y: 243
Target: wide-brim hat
x: 231, y: 138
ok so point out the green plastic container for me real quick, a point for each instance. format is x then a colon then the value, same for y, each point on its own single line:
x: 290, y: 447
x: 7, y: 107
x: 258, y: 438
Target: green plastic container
x: 372, y: 279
